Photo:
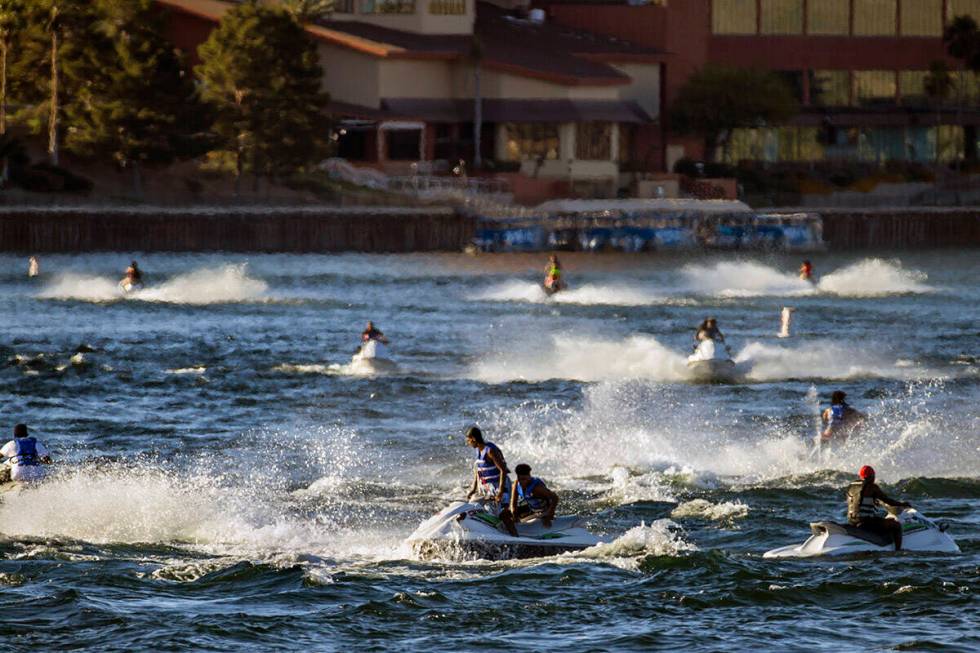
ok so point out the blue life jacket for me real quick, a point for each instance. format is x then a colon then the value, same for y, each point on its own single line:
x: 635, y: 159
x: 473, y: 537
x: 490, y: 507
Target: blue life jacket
x: 533, y: 502
x: 488, y: 472
x: 25, y: 452
x: 837, y: 415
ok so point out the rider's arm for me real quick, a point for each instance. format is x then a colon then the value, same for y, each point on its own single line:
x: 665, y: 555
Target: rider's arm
x: 883, y: 498
x: 513, y: 499
x: 543, y: 492
x: 498, y: 462
x: 474, y: 484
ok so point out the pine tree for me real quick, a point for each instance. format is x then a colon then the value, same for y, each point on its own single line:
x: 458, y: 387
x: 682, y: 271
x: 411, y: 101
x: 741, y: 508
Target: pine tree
x: 146, y: 110
x: 12, y: 23
x: 260, y: 73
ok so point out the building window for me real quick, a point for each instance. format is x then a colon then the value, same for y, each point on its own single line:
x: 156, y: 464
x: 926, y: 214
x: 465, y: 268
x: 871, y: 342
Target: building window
x: 387, y: 6
x: 922, y: 17
x: 964, y: 8
x: 782, y: 16
x: 343, y: 6
x: 734, y: 16
x: 447, y: 7
x: 830, y: 88
x: 875, y: 17
x: 793, y: 80
x: 529, y: 141
x: 966, y: 87
x: 912, y: 87
x: 627, y: 139
x: 874, y: 87
x: 593, y: 141
x: 829, y: 17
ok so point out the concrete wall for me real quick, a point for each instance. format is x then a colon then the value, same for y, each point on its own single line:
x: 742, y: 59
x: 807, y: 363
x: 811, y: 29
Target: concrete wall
x: 350, y: 76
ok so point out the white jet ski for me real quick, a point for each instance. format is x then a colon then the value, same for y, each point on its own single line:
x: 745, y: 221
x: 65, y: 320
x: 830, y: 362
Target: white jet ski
x: 127, y: 285
x: 468, y: 530
x: 711, y: 362
x: 919, y: 533
x: 372, y: 358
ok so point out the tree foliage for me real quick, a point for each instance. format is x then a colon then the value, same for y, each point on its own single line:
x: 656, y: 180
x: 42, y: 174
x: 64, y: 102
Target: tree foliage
x: 939, y: 82
x: 962, y: 39
x: 261, y: 74
x: 717, y: 99
x: 145, y: 110
x: 308, y: 11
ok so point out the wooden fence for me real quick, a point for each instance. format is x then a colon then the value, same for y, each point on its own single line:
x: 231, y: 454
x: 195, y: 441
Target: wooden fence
x: 302, y: 229
x: 900, y: 228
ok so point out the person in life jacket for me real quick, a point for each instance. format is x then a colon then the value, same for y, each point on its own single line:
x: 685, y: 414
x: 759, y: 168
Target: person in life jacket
x: 133, y: 273
x: 840, y: 419
x: 371, y: 333
x: 863, y: 498
x: 490, y: 476
x: 552, y: 275
x: 25, y: 457
x: 806, y: 271
x: 708, y: 330
x: 530, y: 497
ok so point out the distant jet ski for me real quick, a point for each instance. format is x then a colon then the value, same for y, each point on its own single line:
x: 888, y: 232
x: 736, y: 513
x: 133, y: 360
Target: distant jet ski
x: 373, y: 358
x: 128, y: 285
x: 468, y: 530
x: 919, y: 533
x: 711, y: 362
x: 552, y: 286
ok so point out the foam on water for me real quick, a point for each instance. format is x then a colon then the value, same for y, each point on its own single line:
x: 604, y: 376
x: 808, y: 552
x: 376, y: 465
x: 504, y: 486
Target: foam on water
x: 589, y: 294
x: 224, y: 284
x: 742, y: 279
x: 824, y: 359
x: 874, y: 278
x: 662, y: 537
x: 704, y: 509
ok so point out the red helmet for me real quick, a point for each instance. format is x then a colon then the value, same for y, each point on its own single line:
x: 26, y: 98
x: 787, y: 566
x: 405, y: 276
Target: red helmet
x: 867, y: 472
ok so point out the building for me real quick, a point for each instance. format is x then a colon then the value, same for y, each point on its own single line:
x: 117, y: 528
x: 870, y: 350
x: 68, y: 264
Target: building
x: 558, y: 103
x: 859, y: 68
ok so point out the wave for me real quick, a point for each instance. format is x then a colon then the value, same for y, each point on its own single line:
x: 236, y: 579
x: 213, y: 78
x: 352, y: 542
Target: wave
x: 592, y: 294
x: 742, y: 279
x: 593, y: 359
x: 704, y: 509
x: 221, y: 285
x: 874, y: 278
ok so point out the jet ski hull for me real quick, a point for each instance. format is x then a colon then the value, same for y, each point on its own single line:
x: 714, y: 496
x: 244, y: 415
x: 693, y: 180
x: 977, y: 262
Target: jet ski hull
x: 919, y: 533
x: 713, y: 370
x: 372, y: 359
x: 467, y: 531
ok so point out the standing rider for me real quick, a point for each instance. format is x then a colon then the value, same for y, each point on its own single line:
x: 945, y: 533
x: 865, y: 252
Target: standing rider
x: 530, y: 497
x: 806, y: 271
x: 708, y: 330
x: 370, y: 333
x: 863, y: 497
x: 841, y: 420
x: 25, y: 456
x: 490, y: 476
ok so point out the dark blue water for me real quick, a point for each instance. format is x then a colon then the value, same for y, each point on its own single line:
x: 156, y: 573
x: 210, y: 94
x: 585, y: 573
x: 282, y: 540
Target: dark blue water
x: 225, y: 482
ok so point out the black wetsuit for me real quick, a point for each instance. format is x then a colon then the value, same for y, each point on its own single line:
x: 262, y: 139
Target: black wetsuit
x: 863, y: 498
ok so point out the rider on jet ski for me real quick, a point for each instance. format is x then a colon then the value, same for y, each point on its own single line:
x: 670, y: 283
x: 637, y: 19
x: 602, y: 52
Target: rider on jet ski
x: 25, y: 456
x: 370, y: 333
x: 552, y: 275
x: 530, y: 497
x: 708, y: 330
x: 133, y: 274
x: 490, y: 476
x: 806, y: 271
x: 863, y: 497
x: 840, y: 418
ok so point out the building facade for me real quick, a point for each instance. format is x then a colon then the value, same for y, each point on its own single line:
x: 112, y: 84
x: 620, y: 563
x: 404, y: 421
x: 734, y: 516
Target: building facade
x: 556, y: 102
x: 858, y: 67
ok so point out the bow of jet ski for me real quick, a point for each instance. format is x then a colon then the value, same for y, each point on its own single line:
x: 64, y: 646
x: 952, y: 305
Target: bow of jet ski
x: 372, y: 358
x: 919, y: 533
x: 711, y: 362
x: 467, y: 530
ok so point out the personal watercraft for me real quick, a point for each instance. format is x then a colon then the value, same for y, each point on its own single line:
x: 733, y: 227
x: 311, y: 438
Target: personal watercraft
x: 372, y: 358
x: 470, y: 530
x: 552, y: 286
x: 919, y: 533
x: 711, y: 362
x: 128, y: 285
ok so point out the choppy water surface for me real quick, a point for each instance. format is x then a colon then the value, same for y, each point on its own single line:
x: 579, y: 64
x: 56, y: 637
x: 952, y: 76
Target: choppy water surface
x: 225, y: 484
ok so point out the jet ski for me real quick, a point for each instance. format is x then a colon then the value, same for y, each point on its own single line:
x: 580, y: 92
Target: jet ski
x: 372, y: 358
x: 552, y: 286
x: 127, y: 285
x: 919, y: 533
x: 711, y: 362
x: 468, y: 530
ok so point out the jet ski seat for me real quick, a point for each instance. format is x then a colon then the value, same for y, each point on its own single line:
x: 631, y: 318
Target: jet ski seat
x: 819, y: 528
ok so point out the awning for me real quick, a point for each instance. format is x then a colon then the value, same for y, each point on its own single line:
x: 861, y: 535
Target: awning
x: 506, y: 110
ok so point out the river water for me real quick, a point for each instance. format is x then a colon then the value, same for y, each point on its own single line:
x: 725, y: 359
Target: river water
x: 223, y: 482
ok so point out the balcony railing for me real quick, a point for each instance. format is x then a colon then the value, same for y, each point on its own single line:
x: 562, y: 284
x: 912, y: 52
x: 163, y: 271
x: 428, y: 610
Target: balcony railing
x: 447, y: 7
x: 388, y: 6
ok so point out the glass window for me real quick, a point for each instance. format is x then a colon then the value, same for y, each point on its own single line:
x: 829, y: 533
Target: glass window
x: 875, y: 17
x: 964, y: 8
x: 387, y: 6
x: 829, y: 17
x: 733, y: 16
x: 447, y: 7
x: 967, y: 87
x: 593, y: 141
x: 627, y: 138
x: 782, y: 16
x: 343, y: 6
x: 874, y: 87
x: 912, y: 86
x: 794, y: 80
x: 529, y: 141
x: 830, y: 88
x: 950, y: 143
x: 922, y: 17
